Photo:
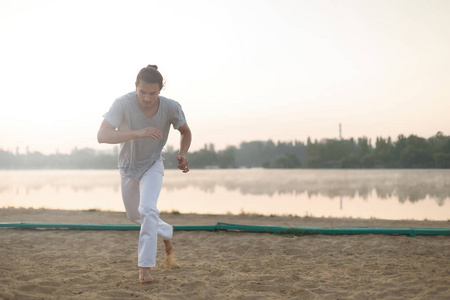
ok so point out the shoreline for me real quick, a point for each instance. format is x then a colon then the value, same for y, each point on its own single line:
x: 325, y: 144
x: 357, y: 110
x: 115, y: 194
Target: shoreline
x: 91, y: 264
x: 120, y: 216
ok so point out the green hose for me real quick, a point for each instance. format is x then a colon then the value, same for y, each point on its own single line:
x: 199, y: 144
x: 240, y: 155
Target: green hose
x: 295, y: 230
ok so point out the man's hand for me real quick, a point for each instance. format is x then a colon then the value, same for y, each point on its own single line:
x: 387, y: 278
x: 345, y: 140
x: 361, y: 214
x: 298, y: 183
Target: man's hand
x: 108, y: 134
x: 183, y: 163
x: 150, y: 132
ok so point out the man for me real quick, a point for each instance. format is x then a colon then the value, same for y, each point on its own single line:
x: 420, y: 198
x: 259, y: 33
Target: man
x: 140, y: 121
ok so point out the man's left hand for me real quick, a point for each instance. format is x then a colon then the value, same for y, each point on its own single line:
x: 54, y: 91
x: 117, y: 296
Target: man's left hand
x: 183, y: 163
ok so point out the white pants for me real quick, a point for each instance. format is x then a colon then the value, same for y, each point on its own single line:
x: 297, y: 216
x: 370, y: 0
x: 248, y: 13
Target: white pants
x: 140, y: 198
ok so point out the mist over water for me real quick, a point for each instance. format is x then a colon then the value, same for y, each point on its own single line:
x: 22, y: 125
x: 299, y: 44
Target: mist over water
x: 384, y: 194
x: 406, y: 185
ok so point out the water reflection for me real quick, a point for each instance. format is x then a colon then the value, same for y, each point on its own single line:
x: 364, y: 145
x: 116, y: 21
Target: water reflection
x: 404, y: 193
x: 406, y: 185
x: 75, y: 180
x: 60, y: 189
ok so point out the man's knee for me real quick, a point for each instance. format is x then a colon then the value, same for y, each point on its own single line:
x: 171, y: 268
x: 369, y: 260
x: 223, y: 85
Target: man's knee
x: 134, y: 217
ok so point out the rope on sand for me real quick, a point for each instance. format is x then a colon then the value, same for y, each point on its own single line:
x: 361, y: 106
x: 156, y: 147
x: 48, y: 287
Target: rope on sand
x: 294, y: 230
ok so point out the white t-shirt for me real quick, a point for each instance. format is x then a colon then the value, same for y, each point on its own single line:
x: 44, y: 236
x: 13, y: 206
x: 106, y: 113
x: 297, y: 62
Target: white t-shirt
x: 138, y: 155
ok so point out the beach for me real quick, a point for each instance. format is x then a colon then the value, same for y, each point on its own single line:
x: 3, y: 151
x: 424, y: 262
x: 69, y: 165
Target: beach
x: 94, y: 264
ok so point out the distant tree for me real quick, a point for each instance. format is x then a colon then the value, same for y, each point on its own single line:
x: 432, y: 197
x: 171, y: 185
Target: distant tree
x: 350, y: 162
x: 441, y: 150
x: 416, y: 153
x: 287, y: 161
x: 442, y: 160
x: 365, y: 153
x: 202, y: 159
x: 383, y: 152
x: 254, y: 154
x: 313, y: 154
x: 406, y: 152
x: 7, y: 160
x: 399, y: 146
x: 364, y: 147
x: 226, y: 158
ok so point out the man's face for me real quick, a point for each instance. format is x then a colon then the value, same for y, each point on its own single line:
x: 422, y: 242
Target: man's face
x: 147, y: 94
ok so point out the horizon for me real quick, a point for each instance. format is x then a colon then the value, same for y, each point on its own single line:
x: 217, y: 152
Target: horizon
x: 371, y: 141
x: 242, y: 70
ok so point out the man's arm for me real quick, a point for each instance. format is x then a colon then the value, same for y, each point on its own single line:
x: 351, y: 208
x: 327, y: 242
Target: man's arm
x: 185, y: 143
x: 109, y: 135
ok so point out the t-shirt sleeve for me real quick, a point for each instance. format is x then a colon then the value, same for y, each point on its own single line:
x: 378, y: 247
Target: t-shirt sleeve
x: 178, y: 118
x: 115, y: 113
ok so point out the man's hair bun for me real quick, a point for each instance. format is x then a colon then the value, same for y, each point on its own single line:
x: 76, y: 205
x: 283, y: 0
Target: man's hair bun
x: 150, y: 74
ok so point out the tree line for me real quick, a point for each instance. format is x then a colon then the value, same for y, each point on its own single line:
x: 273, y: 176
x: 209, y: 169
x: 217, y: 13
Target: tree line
x: 406, y: 152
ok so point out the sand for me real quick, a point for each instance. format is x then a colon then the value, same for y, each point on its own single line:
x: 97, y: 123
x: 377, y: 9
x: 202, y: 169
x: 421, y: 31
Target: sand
x: 73, y: 264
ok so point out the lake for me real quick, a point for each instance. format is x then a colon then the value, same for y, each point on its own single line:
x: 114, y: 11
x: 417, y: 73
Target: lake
x: 381, y: 194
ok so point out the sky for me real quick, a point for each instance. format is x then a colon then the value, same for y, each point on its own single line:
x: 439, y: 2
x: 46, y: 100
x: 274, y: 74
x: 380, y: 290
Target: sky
x: 283, y: 70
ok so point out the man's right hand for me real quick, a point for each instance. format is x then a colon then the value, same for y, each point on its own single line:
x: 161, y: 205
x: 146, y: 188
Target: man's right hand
x: 109, y: 135
x: 150, y: 132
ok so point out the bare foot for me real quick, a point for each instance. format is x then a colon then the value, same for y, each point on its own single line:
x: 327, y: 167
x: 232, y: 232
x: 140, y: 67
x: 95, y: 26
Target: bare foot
x: 144, y: 275
x: 169, y: 262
